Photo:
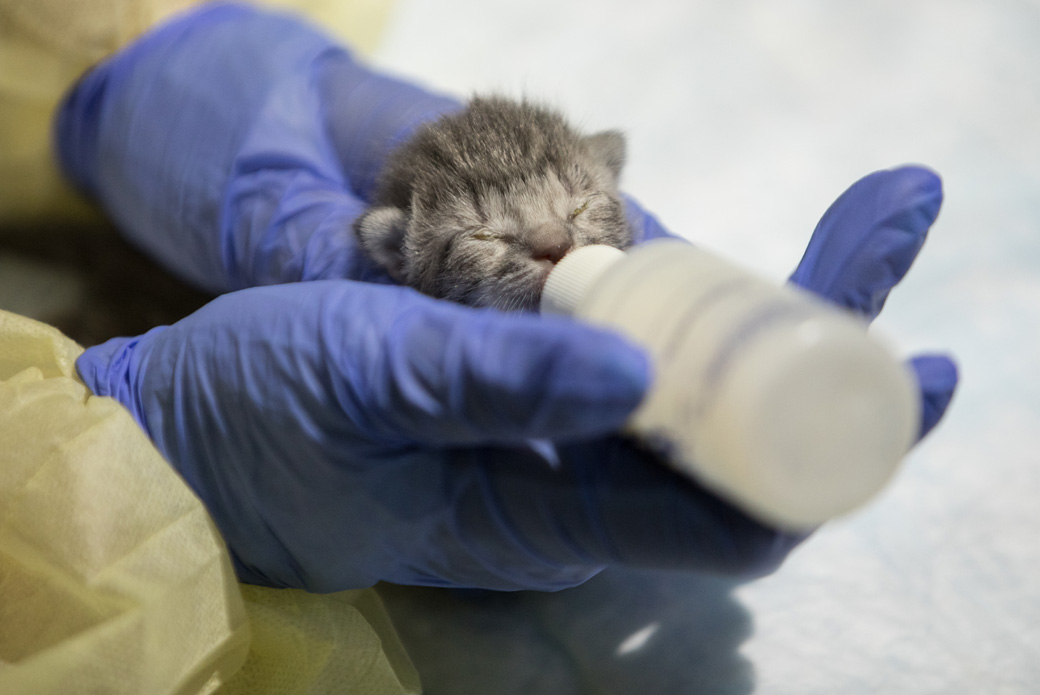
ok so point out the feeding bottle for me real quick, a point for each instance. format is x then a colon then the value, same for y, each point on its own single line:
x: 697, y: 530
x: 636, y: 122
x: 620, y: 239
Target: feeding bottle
x: 771, y: 398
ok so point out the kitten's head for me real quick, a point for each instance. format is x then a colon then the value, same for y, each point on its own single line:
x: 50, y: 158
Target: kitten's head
x: 480, y: 205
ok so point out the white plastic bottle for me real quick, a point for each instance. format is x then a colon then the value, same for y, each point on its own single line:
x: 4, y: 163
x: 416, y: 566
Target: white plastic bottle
x: 773, y: 399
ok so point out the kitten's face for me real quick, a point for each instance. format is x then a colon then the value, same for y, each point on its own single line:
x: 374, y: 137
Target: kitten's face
x: 496, y: 247
x: 482, y: 214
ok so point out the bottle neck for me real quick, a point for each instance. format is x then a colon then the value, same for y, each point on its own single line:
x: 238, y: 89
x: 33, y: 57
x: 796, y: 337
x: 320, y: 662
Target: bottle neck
x: 573, y: 277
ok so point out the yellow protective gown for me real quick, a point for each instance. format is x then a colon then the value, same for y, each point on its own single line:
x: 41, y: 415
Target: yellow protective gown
x: 113, y: 579
x: 46, y: 44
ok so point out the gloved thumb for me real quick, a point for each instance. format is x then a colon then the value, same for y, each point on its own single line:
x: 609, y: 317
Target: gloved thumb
x: 868, y: 238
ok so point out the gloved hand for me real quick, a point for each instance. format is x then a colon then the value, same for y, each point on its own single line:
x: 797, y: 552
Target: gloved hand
x: 237, y: 147
x: 341, y: 433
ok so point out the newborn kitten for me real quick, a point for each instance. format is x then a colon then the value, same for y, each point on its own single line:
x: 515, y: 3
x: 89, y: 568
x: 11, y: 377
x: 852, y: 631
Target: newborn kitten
x: 478, y: 206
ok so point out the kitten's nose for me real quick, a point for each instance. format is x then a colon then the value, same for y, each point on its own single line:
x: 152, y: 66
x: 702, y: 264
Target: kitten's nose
x: 550, y: 244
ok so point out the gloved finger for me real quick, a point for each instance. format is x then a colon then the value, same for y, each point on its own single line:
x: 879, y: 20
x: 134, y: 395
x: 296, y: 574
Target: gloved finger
x: 286, y: 224
x: 867, y: 239
x: 401, y: 367
x: 525, y: 519
x: 436, y: 373
x: 937, y: 378
x: 367, y: 115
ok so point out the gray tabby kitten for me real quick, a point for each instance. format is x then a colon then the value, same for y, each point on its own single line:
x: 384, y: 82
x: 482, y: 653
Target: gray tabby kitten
x: 478, y: 206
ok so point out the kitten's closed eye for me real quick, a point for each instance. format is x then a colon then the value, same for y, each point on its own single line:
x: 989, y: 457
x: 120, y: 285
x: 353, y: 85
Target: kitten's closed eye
x: 484, y: 235
x: 593, y: 199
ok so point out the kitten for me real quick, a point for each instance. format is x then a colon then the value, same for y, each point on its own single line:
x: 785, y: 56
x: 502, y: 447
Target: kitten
x: 478, y: 206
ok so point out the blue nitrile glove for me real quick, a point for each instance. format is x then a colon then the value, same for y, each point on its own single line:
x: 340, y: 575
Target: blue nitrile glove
x: 342, y: 433
x: 236, y: 146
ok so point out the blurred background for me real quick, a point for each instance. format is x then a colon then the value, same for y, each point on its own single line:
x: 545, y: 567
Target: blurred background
x: 745, y: 119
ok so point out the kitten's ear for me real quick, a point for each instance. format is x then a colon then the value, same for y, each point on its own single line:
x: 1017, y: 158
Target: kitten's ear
x: 608, y: 148
x: 381, y: 233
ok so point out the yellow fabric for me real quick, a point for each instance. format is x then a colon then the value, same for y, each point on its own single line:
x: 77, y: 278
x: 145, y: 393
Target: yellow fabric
x: 112, y: 576
x: 316, y: 644
x: 113, y: 579
x: 357, y: 23
x: 45, y: 45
